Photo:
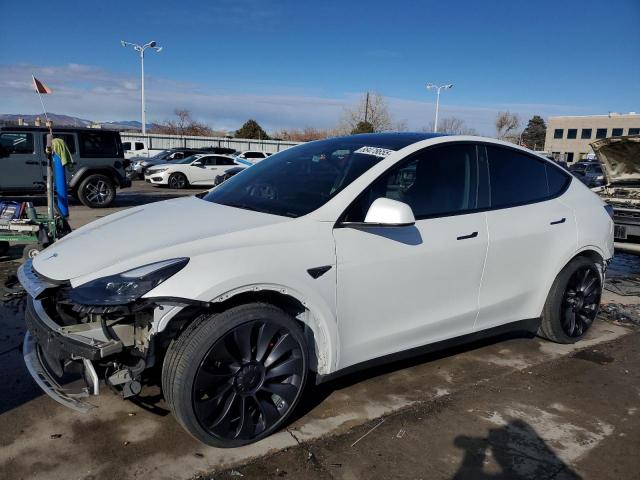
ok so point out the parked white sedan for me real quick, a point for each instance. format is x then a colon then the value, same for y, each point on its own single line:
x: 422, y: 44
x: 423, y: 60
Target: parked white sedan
x: 200, y: 169
x: 327, y: 257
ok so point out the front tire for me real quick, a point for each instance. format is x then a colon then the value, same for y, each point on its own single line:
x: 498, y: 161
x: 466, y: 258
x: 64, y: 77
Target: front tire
x: 178, y: 181
x: 573, y: 302
x: 97, y: 191
x: 234, y: 378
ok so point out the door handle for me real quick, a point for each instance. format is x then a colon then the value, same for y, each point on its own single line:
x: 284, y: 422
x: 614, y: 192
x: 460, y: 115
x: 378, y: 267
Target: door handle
x: 558, y: 222
x: 471, y: 235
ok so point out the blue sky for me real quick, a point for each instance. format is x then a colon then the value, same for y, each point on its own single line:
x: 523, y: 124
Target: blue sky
x: 294, y: 63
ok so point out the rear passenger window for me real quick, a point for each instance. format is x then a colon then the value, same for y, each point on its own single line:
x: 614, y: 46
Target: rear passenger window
x: 557, y: 179
x: 515, y: 178
x: 98, y: 145
x: 139, y: 146
x: 68, y: 139
x: 224, y: 161
x: 16, y: 143
x: 126, y: 145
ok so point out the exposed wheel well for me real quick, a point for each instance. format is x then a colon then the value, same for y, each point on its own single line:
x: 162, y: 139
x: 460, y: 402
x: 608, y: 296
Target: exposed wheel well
x: 287, y: 303
x: 591, y: 255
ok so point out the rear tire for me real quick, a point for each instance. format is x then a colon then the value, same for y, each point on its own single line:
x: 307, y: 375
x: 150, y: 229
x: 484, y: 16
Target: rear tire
x: 97, y: 191
x: 573, y: 302
x: 178, y: 181
x: 234, y: 378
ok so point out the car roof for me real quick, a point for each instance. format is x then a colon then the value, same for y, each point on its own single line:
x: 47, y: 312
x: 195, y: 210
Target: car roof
x: 391, y: 140
x: 56, y: 129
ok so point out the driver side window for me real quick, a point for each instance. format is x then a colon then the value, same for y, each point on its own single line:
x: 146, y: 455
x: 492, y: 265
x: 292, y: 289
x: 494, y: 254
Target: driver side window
x: 437, y: 181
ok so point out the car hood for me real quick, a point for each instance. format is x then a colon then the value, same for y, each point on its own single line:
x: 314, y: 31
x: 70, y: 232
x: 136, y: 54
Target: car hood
x: 146, y: 234
x: 620, y: 159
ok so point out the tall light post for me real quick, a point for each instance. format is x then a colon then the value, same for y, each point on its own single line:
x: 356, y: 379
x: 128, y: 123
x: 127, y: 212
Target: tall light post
x: 141, y: 49
x: 431, y: 86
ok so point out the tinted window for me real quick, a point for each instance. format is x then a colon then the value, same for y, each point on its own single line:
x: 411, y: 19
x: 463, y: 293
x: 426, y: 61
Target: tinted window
x: 586, y: 133
x: 558, y: 132
x: 16, y: 142
x: 253, y: 155
x: 98, y: 144
x: 139, y: 146
x: 616, y: 132
x: 68, y: 139
x: 634, y: 131
x: 224, y: 161
x: 515, y: 178
x: 557, y: 179
x: 435, y: 182
x: 601, y: 133
x: 572, y: 133
x: 126, y: 145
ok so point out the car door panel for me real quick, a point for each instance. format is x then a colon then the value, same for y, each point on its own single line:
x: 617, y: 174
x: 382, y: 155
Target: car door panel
x: 400, y: 288
x: 20, y: 163
x: 526, y: 245
x: 531, y: 231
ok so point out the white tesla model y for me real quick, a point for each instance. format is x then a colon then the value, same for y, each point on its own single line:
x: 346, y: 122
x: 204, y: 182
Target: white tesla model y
x: 330, y: 256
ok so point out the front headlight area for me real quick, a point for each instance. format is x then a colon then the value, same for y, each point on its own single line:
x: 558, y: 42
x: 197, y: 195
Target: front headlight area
x: 110, y: 311
x: 126, y: 287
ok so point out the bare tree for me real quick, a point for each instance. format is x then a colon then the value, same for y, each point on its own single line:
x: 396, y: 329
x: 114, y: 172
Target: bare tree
x: 184, y: 124
x: 507, y: 125
x: 452, y: 126
x: 307, y: 134
x: 372, y: 108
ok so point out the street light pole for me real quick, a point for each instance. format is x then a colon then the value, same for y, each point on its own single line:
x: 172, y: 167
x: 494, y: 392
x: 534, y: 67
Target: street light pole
x: 141, y: 49
x: 431, y: 86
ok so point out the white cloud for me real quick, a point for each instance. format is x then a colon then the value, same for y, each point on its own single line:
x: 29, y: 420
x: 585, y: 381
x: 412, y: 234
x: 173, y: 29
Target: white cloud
x: 93, y: 93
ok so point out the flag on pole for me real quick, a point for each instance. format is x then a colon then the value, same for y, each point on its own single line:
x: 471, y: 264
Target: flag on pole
x: 40, y: 87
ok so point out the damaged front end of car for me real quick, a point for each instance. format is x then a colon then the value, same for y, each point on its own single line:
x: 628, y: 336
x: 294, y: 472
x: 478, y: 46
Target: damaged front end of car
x: 103, y: 329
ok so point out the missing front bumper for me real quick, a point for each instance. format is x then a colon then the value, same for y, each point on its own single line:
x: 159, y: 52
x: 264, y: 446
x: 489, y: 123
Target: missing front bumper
x: 71, y: 398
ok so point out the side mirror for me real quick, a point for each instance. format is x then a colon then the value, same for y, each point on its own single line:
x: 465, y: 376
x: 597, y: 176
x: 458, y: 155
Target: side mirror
x: 197, y: 163
x: 390, y: 213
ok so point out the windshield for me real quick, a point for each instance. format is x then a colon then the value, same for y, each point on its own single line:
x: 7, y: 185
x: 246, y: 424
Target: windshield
x: 301, y: 179
x: 161, y: 155
x: 186, y: 160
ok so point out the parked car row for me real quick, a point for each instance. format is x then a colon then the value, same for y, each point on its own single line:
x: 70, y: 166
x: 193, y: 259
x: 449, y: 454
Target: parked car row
x: 174, y: 155
x: 198, y: 169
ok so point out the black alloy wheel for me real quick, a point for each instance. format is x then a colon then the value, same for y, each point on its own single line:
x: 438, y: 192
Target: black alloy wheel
x: 572, y: 303
x: 234, y: 378
x: 248, y: 380
x: 581, y: 301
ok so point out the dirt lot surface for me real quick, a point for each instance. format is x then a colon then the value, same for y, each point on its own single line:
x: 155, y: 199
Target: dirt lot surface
x: 512, y: 407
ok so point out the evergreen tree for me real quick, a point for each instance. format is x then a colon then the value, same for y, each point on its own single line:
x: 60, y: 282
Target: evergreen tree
x: 251, y: 129
x: 533, y: 136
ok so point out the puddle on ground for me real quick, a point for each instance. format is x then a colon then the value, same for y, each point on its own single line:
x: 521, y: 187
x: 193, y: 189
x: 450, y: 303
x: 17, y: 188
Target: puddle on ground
x: 594, y: 356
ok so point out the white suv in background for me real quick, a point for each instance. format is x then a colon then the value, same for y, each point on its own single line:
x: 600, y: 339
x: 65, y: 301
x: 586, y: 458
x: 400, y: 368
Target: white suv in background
x: 327, y: 257
x: 251, y: 157
x: 200, y: 169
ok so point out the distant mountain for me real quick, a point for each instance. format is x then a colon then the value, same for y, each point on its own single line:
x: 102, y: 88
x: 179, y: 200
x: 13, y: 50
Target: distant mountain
x: 67, y: 120
x: 56, y: 118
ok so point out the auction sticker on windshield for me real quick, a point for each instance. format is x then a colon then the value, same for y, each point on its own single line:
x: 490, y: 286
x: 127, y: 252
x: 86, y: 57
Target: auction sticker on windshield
x: 378, y: 152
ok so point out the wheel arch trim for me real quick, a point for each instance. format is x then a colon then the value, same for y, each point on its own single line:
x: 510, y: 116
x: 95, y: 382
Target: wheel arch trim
x: 317, y: 316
